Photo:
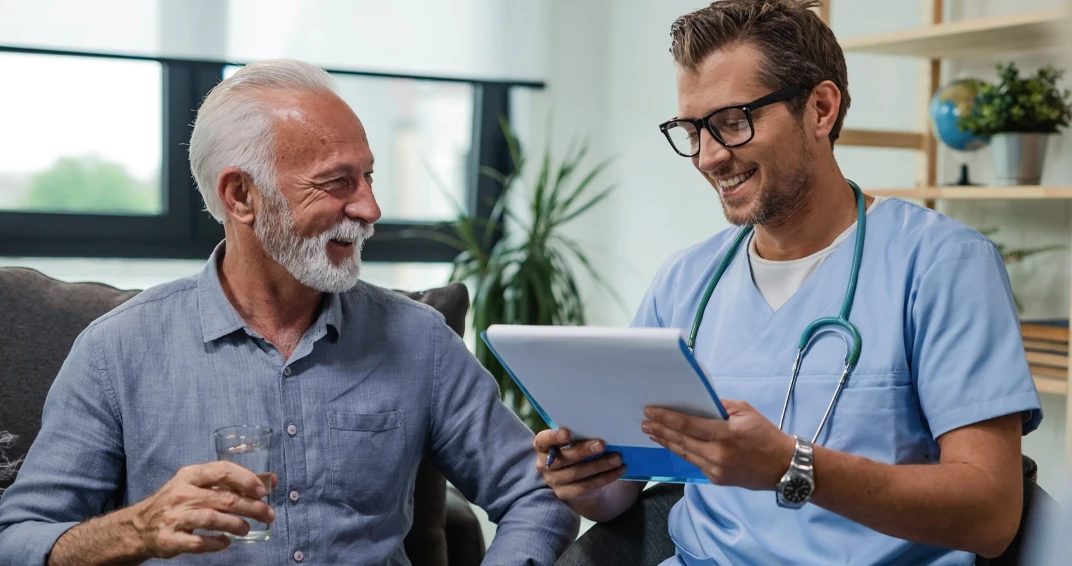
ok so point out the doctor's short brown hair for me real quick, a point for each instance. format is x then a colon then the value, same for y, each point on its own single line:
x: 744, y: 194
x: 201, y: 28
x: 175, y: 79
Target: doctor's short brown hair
x: 796, y: 45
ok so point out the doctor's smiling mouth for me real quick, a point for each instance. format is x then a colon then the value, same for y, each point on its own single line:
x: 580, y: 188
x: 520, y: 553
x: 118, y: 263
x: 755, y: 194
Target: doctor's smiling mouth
x: 735, y: 184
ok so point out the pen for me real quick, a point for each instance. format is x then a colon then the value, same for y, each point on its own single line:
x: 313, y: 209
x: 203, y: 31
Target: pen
x: 551, y: 455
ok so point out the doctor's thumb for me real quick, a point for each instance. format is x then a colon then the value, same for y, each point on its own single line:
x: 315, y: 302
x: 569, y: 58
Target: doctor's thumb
x: 735, y: 407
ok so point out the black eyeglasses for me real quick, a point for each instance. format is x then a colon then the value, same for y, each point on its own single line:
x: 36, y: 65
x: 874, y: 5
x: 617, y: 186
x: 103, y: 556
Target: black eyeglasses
x: 732, y: 126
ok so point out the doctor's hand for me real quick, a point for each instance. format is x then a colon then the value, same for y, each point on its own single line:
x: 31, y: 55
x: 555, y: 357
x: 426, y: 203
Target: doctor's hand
x: 568, y: 476
x: 747, y: 450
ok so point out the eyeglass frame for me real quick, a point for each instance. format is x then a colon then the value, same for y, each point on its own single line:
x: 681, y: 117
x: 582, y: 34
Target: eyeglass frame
x: 782, y: 95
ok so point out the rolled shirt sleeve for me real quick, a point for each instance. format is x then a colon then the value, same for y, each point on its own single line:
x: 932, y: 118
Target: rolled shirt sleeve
x: 486, y: 452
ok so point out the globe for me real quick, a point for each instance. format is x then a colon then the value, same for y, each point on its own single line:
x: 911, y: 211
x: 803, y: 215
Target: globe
x: 949, y: 103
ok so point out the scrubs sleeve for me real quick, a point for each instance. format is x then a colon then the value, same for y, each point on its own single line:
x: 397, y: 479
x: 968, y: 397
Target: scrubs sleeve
x: 968, y: 357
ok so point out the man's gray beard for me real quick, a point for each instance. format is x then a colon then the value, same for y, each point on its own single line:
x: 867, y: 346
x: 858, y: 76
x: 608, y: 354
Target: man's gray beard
x: 306, y: 259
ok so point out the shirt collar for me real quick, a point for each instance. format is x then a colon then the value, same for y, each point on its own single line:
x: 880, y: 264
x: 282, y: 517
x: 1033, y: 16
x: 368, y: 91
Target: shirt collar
x: 219, y: 317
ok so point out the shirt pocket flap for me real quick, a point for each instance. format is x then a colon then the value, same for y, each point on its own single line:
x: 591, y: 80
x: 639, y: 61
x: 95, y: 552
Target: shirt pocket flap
x: 369, y: 422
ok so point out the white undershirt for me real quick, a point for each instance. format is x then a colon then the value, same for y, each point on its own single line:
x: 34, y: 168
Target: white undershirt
x: 779, y: 280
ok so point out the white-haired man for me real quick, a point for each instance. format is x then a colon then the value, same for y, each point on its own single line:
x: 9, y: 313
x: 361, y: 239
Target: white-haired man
x: 358, y: 383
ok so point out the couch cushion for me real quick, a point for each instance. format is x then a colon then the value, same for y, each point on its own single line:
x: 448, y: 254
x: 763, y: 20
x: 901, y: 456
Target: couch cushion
x: 426, y: 542
x: 40, y: 318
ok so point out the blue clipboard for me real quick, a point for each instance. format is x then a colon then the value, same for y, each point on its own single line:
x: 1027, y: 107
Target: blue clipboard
x: 595, y: 382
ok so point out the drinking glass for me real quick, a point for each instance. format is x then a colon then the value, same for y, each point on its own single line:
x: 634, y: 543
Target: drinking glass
x: 250, y: 447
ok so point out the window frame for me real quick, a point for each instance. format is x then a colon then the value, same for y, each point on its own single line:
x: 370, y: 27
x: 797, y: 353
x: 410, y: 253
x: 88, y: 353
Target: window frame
x: 186, y: 231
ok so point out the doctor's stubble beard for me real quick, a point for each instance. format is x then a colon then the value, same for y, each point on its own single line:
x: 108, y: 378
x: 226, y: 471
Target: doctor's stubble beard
x: 782, y: 193
x: 306, y: 259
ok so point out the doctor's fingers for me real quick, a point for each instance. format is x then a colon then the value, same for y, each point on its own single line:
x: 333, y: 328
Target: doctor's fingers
x: 589, y: 487
x: 696, y: 427
x: 710, y: 457
x: 583, y: 475
x: 546, y: 439
x: 570, y: 455
x: 680, y: 443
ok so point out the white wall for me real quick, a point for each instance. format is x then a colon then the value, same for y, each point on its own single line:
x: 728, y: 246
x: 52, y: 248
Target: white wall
x: 610, y: 77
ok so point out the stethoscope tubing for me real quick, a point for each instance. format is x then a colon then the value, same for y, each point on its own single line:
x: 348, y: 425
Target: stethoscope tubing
x: 852, y: 353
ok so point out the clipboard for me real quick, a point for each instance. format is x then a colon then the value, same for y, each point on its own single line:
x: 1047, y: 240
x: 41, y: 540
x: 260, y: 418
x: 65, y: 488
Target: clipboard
x: 596, y: 381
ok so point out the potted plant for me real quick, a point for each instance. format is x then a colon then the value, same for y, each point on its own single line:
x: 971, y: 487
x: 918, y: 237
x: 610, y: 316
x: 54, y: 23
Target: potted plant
x: 1019, y: 114
x: 529, y: 275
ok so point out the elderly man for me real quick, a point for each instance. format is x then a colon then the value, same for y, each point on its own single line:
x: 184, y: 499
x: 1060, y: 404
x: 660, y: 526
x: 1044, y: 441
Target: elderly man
x: 358, y: 383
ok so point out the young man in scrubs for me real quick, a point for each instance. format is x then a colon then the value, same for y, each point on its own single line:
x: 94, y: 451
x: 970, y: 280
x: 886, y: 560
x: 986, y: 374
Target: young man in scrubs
x: 920, y: 461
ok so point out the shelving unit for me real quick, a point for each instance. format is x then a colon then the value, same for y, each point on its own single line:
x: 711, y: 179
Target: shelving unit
x: 933, y: 41
x: 981, y: 37
x: 977, y: 193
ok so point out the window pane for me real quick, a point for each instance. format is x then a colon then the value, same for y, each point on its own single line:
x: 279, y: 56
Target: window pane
x: 421, y: 133
x: 81, y: 135
x: 124, y: 274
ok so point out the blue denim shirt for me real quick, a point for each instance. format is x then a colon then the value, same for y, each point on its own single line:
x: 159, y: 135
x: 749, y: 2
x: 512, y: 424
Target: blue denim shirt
x: 376, y: 383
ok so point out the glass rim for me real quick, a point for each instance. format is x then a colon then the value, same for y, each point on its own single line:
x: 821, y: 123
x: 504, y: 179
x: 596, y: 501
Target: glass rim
x: 240, y: 431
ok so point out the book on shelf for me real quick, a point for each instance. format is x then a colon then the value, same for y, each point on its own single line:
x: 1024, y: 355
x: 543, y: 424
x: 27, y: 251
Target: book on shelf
x: 1046, y: 345
x: 1055, y: 330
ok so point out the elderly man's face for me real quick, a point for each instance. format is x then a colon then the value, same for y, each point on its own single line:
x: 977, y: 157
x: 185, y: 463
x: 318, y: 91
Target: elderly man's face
x: 324, y: 176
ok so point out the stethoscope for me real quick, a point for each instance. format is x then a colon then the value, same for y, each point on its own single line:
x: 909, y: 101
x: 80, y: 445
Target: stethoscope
x: 852, y: 353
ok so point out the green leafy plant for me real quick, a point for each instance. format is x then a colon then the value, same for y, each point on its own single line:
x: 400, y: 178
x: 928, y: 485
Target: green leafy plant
x: 1018, y: 104
x: 1016, y: 255
x: 528, y: 276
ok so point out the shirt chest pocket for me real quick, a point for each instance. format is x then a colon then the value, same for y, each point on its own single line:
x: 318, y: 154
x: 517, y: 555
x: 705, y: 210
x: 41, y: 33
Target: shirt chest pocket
x: 365, y: 452
x: 880, y: 418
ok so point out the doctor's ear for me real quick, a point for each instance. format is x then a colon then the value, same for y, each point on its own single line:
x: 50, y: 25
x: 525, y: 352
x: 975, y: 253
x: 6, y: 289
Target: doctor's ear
x: 822, y: 109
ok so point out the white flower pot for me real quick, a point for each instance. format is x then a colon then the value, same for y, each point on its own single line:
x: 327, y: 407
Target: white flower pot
x: 1018, y: 158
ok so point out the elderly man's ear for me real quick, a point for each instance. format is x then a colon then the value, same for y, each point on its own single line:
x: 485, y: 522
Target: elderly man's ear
x: 238, y: 194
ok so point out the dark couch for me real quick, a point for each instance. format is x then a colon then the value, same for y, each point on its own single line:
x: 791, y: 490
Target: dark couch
x: 40, y: 318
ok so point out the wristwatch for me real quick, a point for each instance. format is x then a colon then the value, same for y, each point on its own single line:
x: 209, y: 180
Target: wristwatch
x: 798, y: 483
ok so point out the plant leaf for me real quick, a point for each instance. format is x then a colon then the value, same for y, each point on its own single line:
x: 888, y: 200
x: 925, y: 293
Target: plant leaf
x: 584, y: 207
x: 583, y: 186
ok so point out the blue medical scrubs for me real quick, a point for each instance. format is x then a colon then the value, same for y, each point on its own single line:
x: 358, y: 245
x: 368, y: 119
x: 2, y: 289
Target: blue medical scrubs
x: 942, y: 349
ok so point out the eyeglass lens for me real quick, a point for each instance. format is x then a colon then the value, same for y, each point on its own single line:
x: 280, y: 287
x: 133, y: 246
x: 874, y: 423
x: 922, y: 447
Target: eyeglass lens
x: 730, y: 124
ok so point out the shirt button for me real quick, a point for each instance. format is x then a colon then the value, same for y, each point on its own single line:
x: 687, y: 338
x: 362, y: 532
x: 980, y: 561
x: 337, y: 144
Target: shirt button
x: 286, y: 371
x: 298, y: 556
x: 293, y: 496
x: 292, y: 430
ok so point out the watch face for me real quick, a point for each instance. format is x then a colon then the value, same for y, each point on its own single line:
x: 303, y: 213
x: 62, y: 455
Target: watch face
x: 796, y: 490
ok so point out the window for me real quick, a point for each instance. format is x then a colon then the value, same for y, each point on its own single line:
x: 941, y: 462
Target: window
x: 54, y: 154
x: 96, y: 164
x: 421, y: 133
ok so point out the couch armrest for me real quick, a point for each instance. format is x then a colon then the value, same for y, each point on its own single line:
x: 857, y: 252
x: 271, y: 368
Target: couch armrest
x: 465, y: 539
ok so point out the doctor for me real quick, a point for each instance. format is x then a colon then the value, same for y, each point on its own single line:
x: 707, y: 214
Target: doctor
x: 919, y: 459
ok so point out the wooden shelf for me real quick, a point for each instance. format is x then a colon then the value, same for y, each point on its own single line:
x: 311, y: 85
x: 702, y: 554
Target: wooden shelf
x: 879, y: 138
x: 977, y: 193
x: 979, y: 37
